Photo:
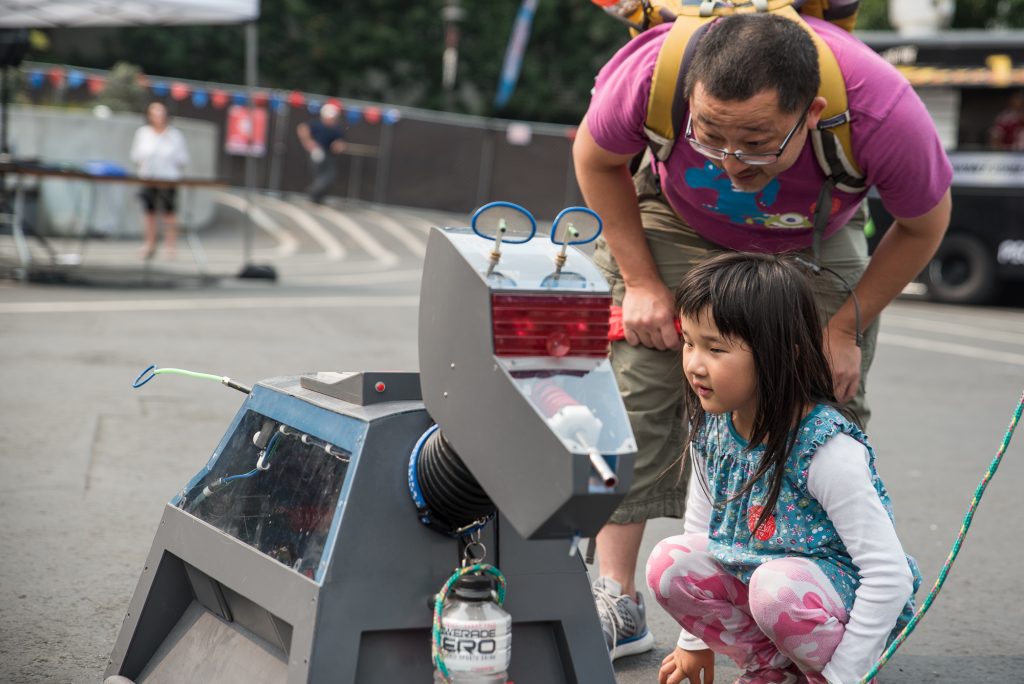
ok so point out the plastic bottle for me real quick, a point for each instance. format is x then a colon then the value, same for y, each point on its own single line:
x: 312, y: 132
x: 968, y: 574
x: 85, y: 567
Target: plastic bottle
x: 476, y: 634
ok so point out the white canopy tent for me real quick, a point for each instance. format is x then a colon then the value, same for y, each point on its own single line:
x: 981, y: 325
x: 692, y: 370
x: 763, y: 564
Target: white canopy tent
x: 26, y: 14
x: 70, y: 13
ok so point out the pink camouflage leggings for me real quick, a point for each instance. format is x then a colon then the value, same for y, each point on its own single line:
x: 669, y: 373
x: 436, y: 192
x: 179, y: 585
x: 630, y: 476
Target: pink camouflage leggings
x: 781, y: 629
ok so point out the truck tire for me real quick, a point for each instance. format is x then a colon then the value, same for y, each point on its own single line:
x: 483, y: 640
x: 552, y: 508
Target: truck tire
x: 961, y: 272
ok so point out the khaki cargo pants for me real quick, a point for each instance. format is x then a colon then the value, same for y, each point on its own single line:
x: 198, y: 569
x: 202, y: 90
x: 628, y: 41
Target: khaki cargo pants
x: 651, y: 381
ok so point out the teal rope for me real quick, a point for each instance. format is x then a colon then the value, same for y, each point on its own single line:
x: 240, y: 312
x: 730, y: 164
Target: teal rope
x: 909, y: 629
x: 435, y: 646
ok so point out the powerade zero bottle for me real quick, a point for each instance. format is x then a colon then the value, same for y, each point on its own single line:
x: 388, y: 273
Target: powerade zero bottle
x: 476, y: 634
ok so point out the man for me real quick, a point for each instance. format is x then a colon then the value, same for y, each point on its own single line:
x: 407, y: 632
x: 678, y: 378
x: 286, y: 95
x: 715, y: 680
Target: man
x: 744, y: 177
x: 321, y: 139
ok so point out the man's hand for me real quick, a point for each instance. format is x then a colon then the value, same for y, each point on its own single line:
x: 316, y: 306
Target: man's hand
x: 844, y: 358
x: 649, y: 317
x: 680, y: 665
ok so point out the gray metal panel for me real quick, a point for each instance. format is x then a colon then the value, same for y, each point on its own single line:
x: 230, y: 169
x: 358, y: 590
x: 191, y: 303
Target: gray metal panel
x: 204, y: 648
x: 291, y: 385
x: 386, y: 565
x: 279, y: 589
x: 517, y: 459
x: 365, y: 387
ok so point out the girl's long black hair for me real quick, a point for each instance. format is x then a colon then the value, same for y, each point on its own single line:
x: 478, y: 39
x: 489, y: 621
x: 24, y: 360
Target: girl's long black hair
x: 765, y: 301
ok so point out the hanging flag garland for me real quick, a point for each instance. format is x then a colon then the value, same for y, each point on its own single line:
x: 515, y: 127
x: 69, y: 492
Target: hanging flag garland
x: 179, y: 91
x: 219, y: 99
x: 56, y: 77
x: 372, y: 114
x: 200, y: 97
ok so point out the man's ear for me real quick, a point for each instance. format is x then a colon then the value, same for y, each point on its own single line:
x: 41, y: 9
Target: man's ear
x: 815, y: 110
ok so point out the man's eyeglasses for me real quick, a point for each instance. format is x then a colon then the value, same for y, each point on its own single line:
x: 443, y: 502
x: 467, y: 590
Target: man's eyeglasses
x: 749, y: 158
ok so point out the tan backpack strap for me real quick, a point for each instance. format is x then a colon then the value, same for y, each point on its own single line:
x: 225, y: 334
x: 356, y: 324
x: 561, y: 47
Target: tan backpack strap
x: 836, y: 160
x: 666, y: 101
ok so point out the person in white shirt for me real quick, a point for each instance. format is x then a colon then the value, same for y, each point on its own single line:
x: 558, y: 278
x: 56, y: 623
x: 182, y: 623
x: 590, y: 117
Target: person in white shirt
x: 159, y: 152
x: 789, y: 563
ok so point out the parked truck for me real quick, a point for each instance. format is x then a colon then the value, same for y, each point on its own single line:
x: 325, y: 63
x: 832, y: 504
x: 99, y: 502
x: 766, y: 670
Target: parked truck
x: 967, y: 79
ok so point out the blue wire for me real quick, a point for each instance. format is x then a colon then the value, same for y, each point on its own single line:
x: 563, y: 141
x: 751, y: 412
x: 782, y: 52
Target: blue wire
x: 254, y: 471
x: 138, y: 384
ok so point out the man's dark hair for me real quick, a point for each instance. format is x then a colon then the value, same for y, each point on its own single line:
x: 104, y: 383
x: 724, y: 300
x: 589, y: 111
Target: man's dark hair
x: 742, y: 55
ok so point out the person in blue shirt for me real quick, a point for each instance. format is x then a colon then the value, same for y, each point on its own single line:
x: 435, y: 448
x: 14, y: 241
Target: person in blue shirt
x: 322, y: 139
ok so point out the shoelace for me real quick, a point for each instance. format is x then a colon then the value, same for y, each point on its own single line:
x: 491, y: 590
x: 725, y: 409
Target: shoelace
x: 607, y: 603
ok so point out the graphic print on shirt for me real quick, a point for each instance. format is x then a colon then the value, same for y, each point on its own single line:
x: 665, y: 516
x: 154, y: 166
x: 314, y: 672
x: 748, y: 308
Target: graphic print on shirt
x: 743, y: 207
x: 766, y: 530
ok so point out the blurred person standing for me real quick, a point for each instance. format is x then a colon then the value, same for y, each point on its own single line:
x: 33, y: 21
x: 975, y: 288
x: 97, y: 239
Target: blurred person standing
x: 322, y: 138
x: 159, y: 152
x: 1007, y: 131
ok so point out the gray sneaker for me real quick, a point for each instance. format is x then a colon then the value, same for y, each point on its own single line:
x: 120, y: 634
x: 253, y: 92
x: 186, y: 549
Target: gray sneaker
x: 623, y: 620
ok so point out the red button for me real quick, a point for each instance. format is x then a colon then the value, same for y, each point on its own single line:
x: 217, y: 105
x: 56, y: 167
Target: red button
x: 379, y: 387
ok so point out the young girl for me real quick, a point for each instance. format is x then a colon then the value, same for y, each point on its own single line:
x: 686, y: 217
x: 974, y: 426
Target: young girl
x: 790, y: 564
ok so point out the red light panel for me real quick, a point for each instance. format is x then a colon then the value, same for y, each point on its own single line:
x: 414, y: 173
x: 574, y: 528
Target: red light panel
x: 550, y: 325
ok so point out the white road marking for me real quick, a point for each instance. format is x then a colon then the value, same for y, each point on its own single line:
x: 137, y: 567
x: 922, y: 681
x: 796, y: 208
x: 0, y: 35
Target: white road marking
x: 206, y: 304
x: 371, y: 278
x: 286, y: 242
x: 385, y: 257
x: 980, y: 317
x: 972, y: 331
x: 333, y: 250
x: 952, y: 348
x: 411, y: 239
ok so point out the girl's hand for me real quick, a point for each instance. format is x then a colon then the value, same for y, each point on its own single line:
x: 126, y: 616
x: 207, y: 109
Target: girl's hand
x: 680, y: 665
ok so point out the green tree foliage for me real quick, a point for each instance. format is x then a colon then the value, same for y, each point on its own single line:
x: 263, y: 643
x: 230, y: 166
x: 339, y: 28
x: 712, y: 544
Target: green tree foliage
x: 969, y: 14
x: 989, y: 14
x: 122, y: 91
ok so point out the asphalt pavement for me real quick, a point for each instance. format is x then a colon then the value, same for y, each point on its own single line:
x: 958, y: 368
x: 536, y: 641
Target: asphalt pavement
x: 87, y: 462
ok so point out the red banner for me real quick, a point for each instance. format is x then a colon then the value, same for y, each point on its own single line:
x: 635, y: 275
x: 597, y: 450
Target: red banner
x: 246, y: 133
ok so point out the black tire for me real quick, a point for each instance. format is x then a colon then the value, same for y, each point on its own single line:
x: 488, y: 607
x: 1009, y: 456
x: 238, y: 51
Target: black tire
x: 962, y: 271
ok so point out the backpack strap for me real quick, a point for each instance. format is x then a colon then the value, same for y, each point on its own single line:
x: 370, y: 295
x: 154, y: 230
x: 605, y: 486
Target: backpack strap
x: 665, y: 105
x: 666, y: 101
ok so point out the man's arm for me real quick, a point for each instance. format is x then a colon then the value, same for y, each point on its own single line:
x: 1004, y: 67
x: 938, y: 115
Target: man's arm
x: 302, y: 130
x: 648, y: 309
x: 904, y: 251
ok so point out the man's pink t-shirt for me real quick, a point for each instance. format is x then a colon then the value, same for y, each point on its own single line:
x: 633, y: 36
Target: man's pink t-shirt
x: 895, y: 144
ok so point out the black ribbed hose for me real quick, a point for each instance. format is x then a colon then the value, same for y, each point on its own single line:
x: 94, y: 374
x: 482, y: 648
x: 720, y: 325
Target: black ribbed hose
x: 453, y: 495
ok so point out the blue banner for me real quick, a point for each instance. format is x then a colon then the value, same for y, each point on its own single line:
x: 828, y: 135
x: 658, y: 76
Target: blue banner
x: 514, y: 53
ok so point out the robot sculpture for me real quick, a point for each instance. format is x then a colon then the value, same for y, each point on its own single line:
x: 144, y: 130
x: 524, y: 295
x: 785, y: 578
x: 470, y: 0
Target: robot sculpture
x: 312, y: 544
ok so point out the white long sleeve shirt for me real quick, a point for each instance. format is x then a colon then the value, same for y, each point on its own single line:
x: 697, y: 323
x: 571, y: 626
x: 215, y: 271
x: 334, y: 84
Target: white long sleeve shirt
x: 160, y: 156
x: 840, y: 480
